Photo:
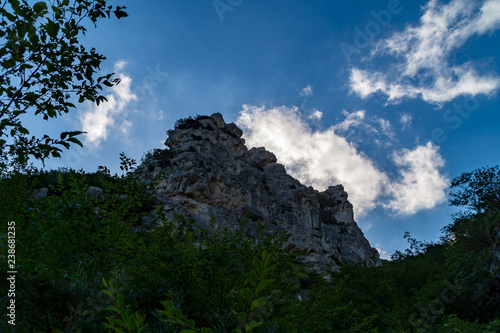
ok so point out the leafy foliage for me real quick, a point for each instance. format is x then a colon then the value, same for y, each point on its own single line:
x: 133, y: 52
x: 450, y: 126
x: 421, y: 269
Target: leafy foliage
x: 45, y: 68
x: 478, y: 190
x: 188, y: 122
x: 122, y: 320
x: 170, y: 275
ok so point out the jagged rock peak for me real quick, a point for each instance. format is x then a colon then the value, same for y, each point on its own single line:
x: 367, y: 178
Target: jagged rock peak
x: 209, y: 128
x: 209, y: 172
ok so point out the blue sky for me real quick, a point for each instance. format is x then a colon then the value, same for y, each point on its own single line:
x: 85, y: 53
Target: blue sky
x: 390, y: 98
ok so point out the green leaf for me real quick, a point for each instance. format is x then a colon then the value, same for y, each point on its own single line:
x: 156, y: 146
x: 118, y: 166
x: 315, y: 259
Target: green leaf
x: 131, y: 322
x: 109, y: 293
x: 9, y: 16
x: 267, y: 262
x: 263, y: 285
x: 253, y: 278
x: 205, y: 330
x: 187, y: 331
x: 75, y: 133
x: 40, y: 6
x: 119, y: 300
x: 177, y: 313
x: 247, y: 293
x: 31, y: 97
x: 257, y: 303
x: 51, y: 112
x: 241, y: 315
x: 257, y: 264
x: 251, y: 325
x: 52, y: 29
x: 119, y: 13
x: 25, y: 66
x: 266, y: 272
x: 75, y: 140
x: 114, y: 309
x: 8, y: 63
x: 57, y: 11
x: 23, y: 130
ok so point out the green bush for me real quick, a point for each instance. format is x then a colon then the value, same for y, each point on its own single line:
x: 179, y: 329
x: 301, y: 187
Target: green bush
x: 173, y: 276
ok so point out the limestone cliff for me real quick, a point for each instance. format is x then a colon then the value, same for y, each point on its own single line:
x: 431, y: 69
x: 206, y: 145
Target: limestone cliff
x: 211, y: 173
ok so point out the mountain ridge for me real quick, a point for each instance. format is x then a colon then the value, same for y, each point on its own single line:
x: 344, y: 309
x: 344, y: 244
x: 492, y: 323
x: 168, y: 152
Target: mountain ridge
x: 208, y: 172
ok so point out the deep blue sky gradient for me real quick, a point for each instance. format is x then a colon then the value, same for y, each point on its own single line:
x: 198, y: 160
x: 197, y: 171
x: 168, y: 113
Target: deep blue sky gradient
x: 184, y: 60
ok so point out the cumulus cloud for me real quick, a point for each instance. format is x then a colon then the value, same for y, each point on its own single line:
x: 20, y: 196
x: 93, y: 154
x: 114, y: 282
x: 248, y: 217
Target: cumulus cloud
x: 319, y: 159
x: 423, y: 55
x: 421, y: 185
x: 324, y: 158
x: 97, y: 120
x: 307, y: 91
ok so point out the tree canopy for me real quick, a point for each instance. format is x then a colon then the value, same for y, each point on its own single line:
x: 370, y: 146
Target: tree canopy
x: 478, y: 190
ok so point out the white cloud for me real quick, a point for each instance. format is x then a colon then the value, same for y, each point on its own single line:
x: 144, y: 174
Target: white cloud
x: 356, y: 120
x: 423, y: 55
x: 160, y: 115
x: 386, y: 127
x: 383, y: 254
x: 120, y: 65
x: 319, y: 159
x: 324, y: 158
x: 317, y: 115
x: 421, y: 185
x: 125, y: 126
x: 406, y: 120
x: 97, y: 120
x: 490, y: 17
x: 307, y: 91
x: 353, y: 119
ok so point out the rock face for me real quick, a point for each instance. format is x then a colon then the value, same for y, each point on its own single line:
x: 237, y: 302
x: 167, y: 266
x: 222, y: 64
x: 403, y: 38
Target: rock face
x: 211, y: 173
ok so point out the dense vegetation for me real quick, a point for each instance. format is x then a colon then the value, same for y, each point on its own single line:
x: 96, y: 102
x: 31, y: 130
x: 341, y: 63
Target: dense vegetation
x: 96, y: 263
x: 93, y: 261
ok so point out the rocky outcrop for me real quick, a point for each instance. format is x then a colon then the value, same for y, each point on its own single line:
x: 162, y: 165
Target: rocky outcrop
x: 207, y: 171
